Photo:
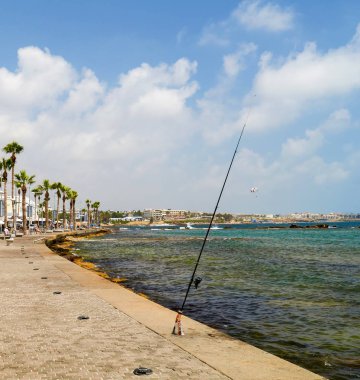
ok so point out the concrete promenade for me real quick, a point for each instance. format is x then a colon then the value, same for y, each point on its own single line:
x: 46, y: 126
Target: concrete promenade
x: 41, y: 336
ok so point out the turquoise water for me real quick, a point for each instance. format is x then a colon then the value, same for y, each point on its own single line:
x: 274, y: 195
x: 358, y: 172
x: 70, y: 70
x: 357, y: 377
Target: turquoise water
x: 292, y: 292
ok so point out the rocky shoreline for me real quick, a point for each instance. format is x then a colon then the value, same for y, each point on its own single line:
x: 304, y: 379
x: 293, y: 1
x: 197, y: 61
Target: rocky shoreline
x: 63, y: 245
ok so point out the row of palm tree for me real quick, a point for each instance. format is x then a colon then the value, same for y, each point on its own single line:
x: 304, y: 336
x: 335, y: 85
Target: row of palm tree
x: 22, y: 181
x: 62, y: 192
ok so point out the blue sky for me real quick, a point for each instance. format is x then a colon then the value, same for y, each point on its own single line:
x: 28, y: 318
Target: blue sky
x: 138, y: 104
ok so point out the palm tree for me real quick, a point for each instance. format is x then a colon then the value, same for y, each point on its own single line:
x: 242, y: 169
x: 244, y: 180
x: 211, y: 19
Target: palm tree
x: 22, y: 180
x: 83, y: 211
x: 96, y: 206
x: 37, y: 193
x: 88, y: 203
x: 93, y: 205
x: 45, y: 187
x: 13, y: 148
x: 68, y: 197
x: 5, y: 165
x: 97, y: 212
x: 64, y: 189
x: 57, y: 186
x: 73, y: 197
x: 41, y: 209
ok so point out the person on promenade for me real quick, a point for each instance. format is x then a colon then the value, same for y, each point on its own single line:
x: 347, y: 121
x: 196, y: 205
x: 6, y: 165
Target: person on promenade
x: 6, y: 232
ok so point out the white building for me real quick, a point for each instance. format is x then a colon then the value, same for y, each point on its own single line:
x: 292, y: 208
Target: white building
x: 160, y: 214
x: 31, y: 214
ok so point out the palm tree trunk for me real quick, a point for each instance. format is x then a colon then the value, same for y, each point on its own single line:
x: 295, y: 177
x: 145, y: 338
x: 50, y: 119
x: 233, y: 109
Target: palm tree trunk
x: 12, y: 195
x: 46, y: 211
x: 70, y: 211
x: 88, y: 216
x: 23, y: 201
x: 74, y: 215
x: 39, y: 211
x: 36, y: 213
x: 64, y: 212
x: 5, y: 205
x: 57, y: 212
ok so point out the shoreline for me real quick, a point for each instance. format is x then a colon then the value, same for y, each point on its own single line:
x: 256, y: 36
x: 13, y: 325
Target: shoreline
x: 149, y: 316
x: 63, y: 245
x: 263, y: 224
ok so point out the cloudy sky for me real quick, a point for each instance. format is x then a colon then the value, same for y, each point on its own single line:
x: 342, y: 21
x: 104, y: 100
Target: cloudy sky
x: 139, y: 104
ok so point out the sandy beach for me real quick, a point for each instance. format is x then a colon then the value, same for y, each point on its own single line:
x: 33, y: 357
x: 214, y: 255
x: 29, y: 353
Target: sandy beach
x: 42, y: 297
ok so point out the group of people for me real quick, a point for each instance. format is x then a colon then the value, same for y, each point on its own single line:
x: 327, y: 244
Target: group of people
x: 7, y: 232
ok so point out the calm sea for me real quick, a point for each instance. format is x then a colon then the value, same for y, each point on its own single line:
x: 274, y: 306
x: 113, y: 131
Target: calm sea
x: 292, y: 292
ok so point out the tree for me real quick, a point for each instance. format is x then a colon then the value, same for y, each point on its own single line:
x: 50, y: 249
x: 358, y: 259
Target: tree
x: 57, y: 186
x: 5, y: 165
x: 88, y: 204
x: 105, y: 216
x: 14, y: 149
x: 68, y: 197
x: 37, y: 194
x: 45, y: 187
x: 41, y: 208
x: 64, y: 190
x: 95, y: 207
x: 74, y: 196
x: 22, y: 180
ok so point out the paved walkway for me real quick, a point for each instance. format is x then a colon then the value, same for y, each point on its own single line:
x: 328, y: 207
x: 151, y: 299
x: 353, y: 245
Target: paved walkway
x: 41, y: 336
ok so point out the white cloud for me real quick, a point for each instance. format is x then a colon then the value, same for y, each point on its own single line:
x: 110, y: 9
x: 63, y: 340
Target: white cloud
x: 303, y: 146
x: 36, y: 83
x: 284, y: 91
x: 83, y: 96
x: 234, y: 63
x: 254, y: 14
x: 314, y: 138
x: 215, y: 34
x: 338, y: 121
x: 322, y: 172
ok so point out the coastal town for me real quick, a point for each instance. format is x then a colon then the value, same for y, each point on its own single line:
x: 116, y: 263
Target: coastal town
x: 35, y: 215
x: 157, y: 215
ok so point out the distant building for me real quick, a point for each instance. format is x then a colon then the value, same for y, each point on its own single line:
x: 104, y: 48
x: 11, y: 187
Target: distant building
x: 129, y: 218
x: 155, y: 214
x: 161, y: 214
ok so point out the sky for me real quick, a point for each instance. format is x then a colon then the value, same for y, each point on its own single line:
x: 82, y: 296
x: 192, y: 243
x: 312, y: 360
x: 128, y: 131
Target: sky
x: 139, y: 104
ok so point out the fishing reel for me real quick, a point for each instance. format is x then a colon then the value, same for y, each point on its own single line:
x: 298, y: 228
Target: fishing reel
x: 197, y: 282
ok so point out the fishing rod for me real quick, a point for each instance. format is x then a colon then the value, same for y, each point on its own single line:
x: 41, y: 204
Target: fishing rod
x: 177, y: 330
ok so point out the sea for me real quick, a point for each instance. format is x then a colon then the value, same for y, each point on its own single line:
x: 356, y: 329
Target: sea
x: 293, y: 292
